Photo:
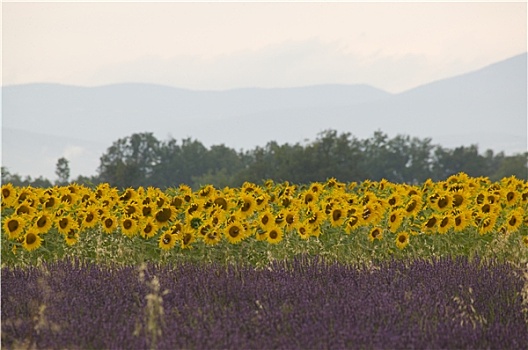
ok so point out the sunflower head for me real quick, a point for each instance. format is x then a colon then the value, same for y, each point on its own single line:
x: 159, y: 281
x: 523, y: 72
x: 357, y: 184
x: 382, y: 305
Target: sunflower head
x: 31, y: 240
x: 167, y: 241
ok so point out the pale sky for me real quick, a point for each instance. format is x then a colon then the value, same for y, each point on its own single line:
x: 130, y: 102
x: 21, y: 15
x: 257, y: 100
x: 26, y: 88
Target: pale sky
x: 393, y: 46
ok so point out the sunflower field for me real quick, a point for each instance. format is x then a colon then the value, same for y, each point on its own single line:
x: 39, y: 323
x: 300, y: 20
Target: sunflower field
x: 367, y: 265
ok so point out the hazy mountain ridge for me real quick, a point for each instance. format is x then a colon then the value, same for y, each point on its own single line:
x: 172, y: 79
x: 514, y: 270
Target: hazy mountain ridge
x: 486, y: 107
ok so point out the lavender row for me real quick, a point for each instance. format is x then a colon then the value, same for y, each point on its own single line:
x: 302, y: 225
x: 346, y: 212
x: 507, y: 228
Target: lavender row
x: 302, y: 304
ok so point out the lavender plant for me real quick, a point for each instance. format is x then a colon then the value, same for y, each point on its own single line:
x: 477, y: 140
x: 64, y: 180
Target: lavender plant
x: 297, y: 304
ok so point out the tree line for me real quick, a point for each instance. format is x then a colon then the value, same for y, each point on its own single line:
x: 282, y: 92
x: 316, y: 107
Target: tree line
x: 143, y: 160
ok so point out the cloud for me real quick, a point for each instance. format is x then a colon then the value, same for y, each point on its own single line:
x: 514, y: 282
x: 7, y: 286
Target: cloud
x: 73, y: 152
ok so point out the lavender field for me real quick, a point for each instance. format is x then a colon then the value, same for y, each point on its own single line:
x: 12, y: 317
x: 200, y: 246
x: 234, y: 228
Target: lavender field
x: 305, y: 303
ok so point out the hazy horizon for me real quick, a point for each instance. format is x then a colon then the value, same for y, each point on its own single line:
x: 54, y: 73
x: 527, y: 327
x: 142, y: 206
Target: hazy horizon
x: 220, y: 46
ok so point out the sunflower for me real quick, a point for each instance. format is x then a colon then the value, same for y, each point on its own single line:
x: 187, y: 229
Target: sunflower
x: 14, y: 226
x: 445, y: 223
x: 234, y: 232
x: 90, y: 218
x: 261, y: 201
x: 212, y: 237
x: 525, y: 241
x: 303, y: 231
x: 28, y: 196
x: 459, y: 199
x: 310, y: 196
x: 441, y: 201
x: 275, y: 235
x: 370, y: 214
x: 352, y: 223
x: 221, y: 202
x: 25, y: 208
x: 164, y: 215
x: 337, y: 216
x: 43, y: 223
x: 109, y: 223
x: 128, y: 195
x: 147, y: 209
x: 176, y: 228
x: 261, y: 234
x: 50, y: 202
x: 314, y: 218
x: 291, y: 218
x: 247, y: 204
x: 376, y: 233
x: 461, y: 220
x: 187, y: 239
x: 9, y: 196
x: 486, y: 223
x: 395, y: 219
x: 132, y: 209
x: 395, y: 200
x: 31, y: 240
x: 167, y: 241
x: 514, y: 220
x: 65, y: 224
x: 414, y: 205
x: 72, y: 237
x: 148, y: 228
x: 266, y: 219
x: 129, y: 226
x: 431, y: 223
x: 402, y: 240
x: 510, y: 196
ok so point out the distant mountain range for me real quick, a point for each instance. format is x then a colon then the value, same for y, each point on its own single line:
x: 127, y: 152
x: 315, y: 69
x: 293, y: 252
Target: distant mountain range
x: 43, y: 122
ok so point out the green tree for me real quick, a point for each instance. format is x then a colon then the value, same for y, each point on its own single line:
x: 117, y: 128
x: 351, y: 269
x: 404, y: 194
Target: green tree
x: 62, y: 170
x: 130, y: 161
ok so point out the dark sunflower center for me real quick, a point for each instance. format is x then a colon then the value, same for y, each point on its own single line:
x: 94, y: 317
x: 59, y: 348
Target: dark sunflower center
x: 63, y: 223
x: 221, y: 202
x: 273, y: 234
x: 187, y: 238
x: 442, y: 202
x: 127, y: 224
x: 50, y: 202
x: 163, y: 215
x: 234, y: 231
x: 31, y: 238
x: 23, y: 209
x: 457, y: 200
x: 431, y: 222
x: 353, y: 220
x: 108, y: 222
x: 6, y: 192
x: 336, y: 215
x: 12, y: 225
x: 246, y: 206
x: 402, y: 239
x: 41, y: 222
x: 167, y: 239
